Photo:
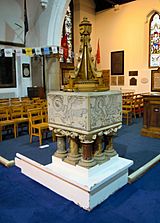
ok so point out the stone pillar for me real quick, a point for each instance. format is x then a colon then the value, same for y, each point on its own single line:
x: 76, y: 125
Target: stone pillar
x: 109, y: 150
x: 73, y: 156
x: 87, y: 159
x: 99, y: 156
x: 61, y: 151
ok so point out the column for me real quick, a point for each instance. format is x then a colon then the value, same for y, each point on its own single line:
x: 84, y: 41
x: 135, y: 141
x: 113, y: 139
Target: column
x: 87, y: 159
x: 61, y: 151
x: 109, y: 150
x: 73, y: 156
x: 99, y: 156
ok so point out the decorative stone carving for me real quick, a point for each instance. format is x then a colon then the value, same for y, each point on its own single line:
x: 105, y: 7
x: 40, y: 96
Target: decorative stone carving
x: 84, y: 112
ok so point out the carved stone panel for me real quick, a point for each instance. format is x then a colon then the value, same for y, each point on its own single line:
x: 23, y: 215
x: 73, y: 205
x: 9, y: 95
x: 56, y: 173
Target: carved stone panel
x: 84, y: 111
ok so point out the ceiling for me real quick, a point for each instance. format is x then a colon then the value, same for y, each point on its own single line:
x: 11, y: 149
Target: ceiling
x: 107, y: 4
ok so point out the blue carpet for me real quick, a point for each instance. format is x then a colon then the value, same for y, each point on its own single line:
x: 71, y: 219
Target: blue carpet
x: 128, y: 143
x: 9, y: 148
x: 131, y: 145
x: 22, y: 200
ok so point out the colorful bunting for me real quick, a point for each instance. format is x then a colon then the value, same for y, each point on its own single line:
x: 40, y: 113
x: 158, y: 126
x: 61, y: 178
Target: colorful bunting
x: 8, y: 52
x: 54, y: 49
x: 29, y: 52
x: 38, y: 51
x: 63, y: 52
x: 18, y: 52
x: 1, y: 53
x: 46, y: 51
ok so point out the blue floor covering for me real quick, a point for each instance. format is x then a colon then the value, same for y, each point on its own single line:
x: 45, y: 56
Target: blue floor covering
x: 128, y: 143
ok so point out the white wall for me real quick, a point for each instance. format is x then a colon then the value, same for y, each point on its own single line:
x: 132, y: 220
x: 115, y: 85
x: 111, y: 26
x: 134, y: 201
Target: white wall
x: 11, y: 13
x: 45, y: 24
x: 126, y: 29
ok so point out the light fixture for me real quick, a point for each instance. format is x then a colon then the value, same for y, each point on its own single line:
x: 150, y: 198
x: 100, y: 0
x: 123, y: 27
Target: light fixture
x: 44, y: 3
x: 116, y: 7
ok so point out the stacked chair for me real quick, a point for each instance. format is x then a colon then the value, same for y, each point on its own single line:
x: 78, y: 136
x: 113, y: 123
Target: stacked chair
x: 132, y: 107
x: 17, y: 114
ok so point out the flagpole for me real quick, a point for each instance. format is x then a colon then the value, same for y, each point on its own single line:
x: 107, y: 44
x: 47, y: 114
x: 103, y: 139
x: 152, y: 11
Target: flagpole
x: 25, y: 21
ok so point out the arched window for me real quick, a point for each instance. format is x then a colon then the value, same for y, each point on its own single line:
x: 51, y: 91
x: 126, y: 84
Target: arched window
x: 67, y: 35
x: 154, y: 40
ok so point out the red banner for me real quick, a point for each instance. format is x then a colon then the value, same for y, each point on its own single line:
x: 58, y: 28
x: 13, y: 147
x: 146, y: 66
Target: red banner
x: 98, y: 54
x: 64, y: 45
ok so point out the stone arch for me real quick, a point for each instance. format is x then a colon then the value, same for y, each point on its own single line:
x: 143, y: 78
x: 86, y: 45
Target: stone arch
x: 151, y: 13
x: 56, y: 22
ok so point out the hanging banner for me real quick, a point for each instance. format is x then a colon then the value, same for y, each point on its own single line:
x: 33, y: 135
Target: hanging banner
x: 29, y: 52
x: 54, y: 49
x: 8, y: 52
x: 64, y: 44
x: 38, y: 51
x: 46, y: 51
x: 18, y: 52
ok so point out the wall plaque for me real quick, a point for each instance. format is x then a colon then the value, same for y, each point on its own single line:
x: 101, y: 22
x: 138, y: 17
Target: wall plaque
x: 117, y: 63
x: 155, y: 80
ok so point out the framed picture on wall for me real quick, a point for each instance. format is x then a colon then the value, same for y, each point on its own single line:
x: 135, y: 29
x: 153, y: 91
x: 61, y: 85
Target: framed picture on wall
x: 26, y: 69
x: 117, y: 63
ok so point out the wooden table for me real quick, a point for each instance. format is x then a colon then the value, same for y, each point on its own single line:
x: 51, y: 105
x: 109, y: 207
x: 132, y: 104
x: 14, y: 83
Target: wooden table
x: 151, y: 118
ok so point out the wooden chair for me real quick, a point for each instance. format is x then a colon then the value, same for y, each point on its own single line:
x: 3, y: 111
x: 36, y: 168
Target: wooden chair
x: 5, y: 121
x: 19, y: 118
x: 38, y: 125
x: 127, y: 110
x: 137, y: 103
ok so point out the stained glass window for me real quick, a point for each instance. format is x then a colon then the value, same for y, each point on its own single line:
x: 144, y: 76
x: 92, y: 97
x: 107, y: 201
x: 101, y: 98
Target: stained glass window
x: 67, y: 35
x: 154, y: 60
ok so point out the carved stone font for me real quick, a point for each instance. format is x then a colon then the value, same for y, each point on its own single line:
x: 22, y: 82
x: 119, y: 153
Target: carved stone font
x: 86, y: 77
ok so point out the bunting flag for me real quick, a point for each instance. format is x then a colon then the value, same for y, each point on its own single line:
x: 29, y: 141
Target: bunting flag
x: 46, y: 51
x: 64, y: 44
x: 29, y: 52
x: 26, y: 27
x: 98, y: 54
x: 1, y: 53
x: 8, y: 52
x: 18, y: 52
x: 54, y: 49
x: 38, y: 51
x: 61, y: 50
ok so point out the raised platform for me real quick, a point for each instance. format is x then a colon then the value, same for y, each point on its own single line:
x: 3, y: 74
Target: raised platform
x: 151, y: 132
x: 85, y: 187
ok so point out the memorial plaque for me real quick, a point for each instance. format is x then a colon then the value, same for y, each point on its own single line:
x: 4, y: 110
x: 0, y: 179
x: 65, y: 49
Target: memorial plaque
x: 155, y: 80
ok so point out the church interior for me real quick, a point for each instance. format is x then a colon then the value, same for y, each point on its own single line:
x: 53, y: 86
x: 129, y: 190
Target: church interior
x: 79, y: 111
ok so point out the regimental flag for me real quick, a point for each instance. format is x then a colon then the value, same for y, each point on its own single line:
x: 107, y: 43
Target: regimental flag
x: 54, y: 49
x: 38, y: 51
x: 8, y: 52
x: 98, y: 54
x: 29, y: 52
x: 64, y: 45
x: 18, y: 52
x: 26, y: 27
x: 46, y: 51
